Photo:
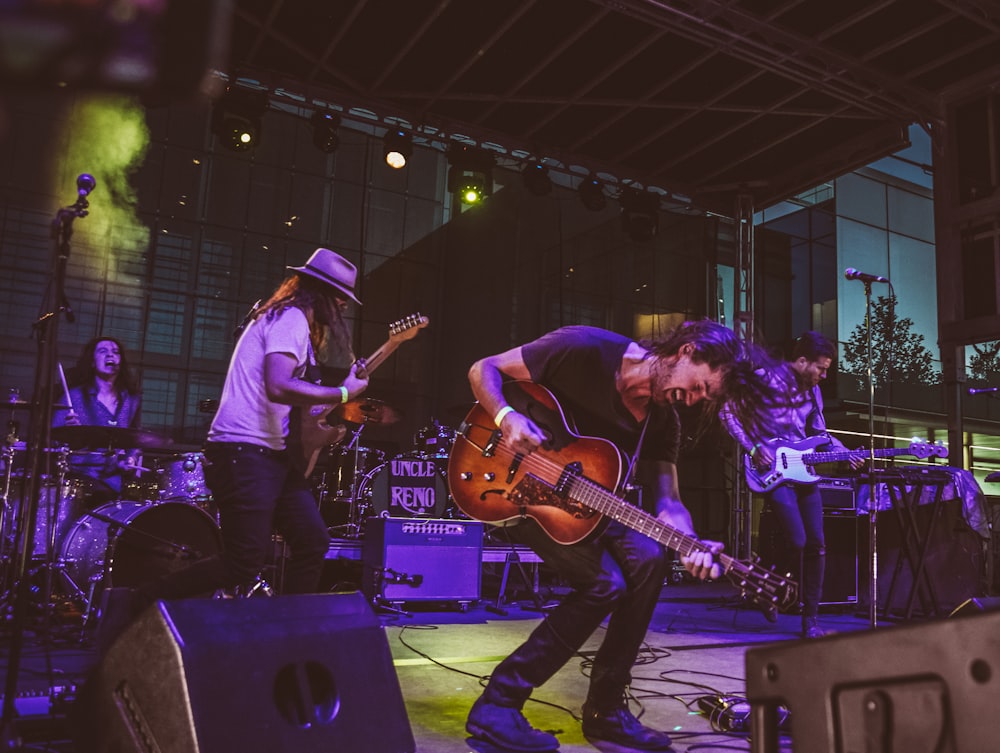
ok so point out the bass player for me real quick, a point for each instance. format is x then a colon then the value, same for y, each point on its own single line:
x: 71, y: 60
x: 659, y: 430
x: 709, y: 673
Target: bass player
x: 622, y: 391
x: 794, y: 412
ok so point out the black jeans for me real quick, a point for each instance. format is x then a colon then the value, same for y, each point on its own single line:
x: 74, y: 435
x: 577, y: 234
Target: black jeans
x: 799, y: 508
x: 620, y: 574
x: 258, y: 492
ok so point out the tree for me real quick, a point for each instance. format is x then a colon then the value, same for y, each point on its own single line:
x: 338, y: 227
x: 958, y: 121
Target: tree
x: 985, y: 362
x: 892, y: 338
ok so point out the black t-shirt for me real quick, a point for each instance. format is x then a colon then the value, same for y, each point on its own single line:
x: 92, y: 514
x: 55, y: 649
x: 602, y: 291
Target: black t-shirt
x: 578, y: 364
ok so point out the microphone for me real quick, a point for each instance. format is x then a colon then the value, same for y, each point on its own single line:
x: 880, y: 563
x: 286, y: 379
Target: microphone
x: 981, y: 390
x: 85, y: 184
x: 852, y: 274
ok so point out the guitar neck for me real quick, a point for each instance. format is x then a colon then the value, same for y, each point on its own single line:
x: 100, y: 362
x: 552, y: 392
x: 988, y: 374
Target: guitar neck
x: 376, y: 359
x: 600, y: 500
x: 815, y: 458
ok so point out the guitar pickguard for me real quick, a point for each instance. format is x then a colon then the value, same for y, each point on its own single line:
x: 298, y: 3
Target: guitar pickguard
x: 533, y: 491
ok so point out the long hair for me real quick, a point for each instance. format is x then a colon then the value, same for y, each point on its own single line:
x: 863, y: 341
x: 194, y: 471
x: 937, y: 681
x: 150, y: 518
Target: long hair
x: 84, y: 372
x: 327, y: 326
x: 745, y: 390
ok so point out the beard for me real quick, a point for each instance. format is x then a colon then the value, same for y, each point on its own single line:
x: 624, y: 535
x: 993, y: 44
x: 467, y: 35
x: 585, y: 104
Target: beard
x: 661, y: 375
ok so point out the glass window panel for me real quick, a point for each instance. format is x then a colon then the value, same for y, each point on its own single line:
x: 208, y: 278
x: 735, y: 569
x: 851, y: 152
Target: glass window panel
x: 910, y: 261
x: 911, y: 214
x: 862, y: 247
x: 861, y: 199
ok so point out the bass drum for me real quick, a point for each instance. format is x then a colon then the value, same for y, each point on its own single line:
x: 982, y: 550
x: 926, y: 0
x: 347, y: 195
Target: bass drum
x: 127, y: 543
x: 408, y: 486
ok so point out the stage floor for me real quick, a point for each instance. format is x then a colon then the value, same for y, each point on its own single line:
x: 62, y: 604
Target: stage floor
x: 695, y: 647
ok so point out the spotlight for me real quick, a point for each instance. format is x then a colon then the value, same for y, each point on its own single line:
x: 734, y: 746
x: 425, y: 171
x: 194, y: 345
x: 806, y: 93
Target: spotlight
x: 591, y: 192
x: 640, y: 214
x: 536, y: 178
x: 236, y: 119
x: 398, y: 148
x: 471, y: 174
x: 325, y: 124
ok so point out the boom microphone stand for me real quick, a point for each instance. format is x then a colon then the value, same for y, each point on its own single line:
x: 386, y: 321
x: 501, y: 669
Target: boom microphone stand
x: 46, y: 329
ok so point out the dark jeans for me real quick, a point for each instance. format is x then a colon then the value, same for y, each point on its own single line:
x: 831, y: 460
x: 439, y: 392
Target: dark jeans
x: 799, y: 508
x: 258, y: 492
x: 618, y: 574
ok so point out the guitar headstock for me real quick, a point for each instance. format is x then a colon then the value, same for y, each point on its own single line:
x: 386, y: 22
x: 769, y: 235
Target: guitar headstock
x: 763, y: 586
x: 923, y: 450
x: 407, y: 327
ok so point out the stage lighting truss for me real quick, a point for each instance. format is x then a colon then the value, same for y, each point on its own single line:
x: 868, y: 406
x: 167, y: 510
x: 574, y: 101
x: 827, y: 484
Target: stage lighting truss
x: 591, y: 193
x: 536, y: 178
x: 236, y: 118
x: 398, y: 148
x: 324, y: 130
x: 470, y: 176
x: 640, y: 214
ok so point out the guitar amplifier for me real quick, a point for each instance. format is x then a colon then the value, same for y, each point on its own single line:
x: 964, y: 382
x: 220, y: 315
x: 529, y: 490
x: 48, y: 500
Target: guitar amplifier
x: 419, y: 559
x: 838, y: 493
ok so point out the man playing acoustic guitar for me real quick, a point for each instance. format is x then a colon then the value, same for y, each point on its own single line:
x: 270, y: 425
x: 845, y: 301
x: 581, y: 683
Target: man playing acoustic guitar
x: 621, y: 391
x: 795, y: 413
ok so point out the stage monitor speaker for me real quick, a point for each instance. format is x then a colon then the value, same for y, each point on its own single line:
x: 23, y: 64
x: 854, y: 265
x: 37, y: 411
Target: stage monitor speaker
x: 414, y: 559
x: 288, y: 673
x: 906, y: 689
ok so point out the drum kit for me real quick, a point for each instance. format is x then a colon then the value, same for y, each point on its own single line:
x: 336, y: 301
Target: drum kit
x: 354, y: 483
x: 84, y: 541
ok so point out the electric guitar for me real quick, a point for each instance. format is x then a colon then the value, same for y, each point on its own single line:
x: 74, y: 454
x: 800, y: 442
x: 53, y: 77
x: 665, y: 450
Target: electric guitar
x: 566, y: 486
x: 794, y: 459
x: 318, y: 426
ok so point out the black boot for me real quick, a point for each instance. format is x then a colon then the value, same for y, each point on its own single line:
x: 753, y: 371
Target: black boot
x: 619, y: 726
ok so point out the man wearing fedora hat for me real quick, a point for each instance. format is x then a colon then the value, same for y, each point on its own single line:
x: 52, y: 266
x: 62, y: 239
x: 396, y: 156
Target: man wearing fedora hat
x: 254, y: 482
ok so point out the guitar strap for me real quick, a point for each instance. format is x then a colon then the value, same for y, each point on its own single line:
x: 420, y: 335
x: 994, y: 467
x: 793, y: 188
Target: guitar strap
x: 630, y: 474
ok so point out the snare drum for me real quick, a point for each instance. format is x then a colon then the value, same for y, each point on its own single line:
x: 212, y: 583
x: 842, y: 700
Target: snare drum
x: 407, y: 486
x: 131, y: 543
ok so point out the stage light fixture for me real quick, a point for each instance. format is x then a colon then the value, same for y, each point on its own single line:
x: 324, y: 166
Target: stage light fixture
x: 640, y: 214
x: 324, y: 130
x: 470, y: 176
x: 236, y: 118
x: 536, y: 178
x: 398, y: 148
x: 591, y: 193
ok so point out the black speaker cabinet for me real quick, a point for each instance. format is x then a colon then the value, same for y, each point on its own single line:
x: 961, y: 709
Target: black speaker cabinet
x: 840, y: 576
x: 907, y: 689
x: 274, y: 675
x: 413, y: 559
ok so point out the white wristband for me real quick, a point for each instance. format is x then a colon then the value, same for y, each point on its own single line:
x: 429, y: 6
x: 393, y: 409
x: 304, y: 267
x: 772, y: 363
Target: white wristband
x: 498, y: 418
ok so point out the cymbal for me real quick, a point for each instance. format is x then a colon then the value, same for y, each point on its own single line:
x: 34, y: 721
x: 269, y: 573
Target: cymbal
x: 101, y: 437
x: 26, y: 404
x: 369, y: 411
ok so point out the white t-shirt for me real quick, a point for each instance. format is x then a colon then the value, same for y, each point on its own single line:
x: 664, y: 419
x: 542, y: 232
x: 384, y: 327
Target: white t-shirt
x: 245, y: 412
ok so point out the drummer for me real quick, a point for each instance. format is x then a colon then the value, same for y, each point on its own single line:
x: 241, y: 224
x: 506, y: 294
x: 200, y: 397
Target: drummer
x: 103, y: 391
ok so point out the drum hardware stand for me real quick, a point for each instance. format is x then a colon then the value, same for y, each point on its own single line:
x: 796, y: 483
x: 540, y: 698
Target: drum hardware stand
x: 356, y: 516
x: 45, y: 328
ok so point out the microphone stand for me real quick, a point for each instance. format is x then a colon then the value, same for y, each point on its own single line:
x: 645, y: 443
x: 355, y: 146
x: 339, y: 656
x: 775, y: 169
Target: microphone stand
x: 872, y: 491
x: 46, y: 329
